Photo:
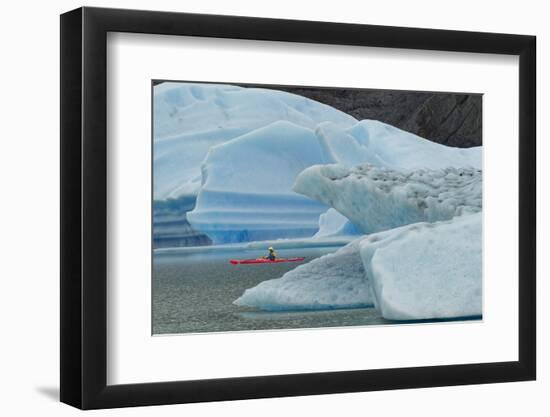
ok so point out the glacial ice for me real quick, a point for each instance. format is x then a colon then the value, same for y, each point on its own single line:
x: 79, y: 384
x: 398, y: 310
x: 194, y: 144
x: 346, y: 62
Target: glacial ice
x: 336, y: 280
x: 246, y: 193
x: 170, y: 225
x: 261, y: 165
x: 377, y: 199
x: 191, y: 118
x: 414, y: 272
x: 422, y: 259
x: 426, y: 270
x: 235, y: 149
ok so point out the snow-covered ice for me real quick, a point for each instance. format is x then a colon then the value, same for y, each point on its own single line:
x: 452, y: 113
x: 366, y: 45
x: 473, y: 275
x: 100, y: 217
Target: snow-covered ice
x: 377, y: 199
x: 336, y: 280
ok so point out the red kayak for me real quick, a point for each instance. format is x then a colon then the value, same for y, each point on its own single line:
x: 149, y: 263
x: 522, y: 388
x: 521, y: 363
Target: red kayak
x: 263, y: 261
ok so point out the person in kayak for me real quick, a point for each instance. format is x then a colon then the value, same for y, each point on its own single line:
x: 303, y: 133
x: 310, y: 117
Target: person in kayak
x: 272, y: 255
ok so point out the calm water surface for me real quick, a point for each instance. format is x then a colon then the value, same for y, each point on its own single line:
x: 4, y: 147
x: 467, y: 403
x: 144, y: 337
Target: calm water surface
x: 194, y: 292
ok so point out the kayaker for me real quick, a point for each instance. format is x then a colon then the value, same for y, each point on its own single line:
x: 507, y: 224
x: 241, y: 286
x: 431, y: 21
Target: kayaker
x: 272, y: 255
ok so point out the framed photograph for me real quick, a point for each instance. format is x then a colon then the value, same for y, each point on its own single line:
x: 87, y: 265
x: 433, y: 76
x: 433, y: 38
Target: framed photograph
x: 256, y: 208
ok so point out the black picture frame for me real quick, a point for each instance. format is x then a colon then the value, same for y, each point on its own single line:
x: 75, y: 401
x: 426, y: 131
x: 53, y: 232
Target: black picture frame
x: 84, y: 207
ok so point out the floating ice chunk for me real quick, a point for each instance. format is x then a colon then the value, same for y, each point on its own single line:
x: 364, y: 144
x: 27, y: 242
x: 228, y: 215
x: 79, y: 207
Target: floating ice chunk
x: 377, y: 199
x: 426, y: 270
x: 336, y: 280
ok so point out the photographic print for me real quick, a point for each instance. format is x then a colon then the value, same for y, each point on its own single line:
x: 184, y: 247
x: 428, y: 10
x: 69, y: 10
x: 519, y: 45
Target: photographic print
x: 292, y: 207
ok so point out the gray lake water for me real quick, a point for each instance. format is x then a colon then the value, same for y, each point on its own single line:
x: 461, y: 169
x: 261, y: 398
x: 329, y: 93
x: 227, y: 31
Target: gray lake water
x: 193, y: 292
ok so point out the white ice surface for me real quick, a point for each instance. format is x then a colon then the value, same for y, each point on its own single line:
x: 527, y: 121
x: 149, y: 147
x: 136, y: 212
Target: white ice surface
x: 426, y: 270
x: 414, y: 272
x: 377, y: 199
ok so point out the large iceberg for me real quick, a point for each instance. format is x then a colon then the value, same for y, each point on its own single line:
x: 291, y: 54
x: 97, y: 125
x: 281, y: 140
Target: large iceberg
x: 246, y: 191
x: 239, y: 150
x: 189, y: 121
x: 190, y: 118
x: 414, y: 272
x: 424, y: 262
